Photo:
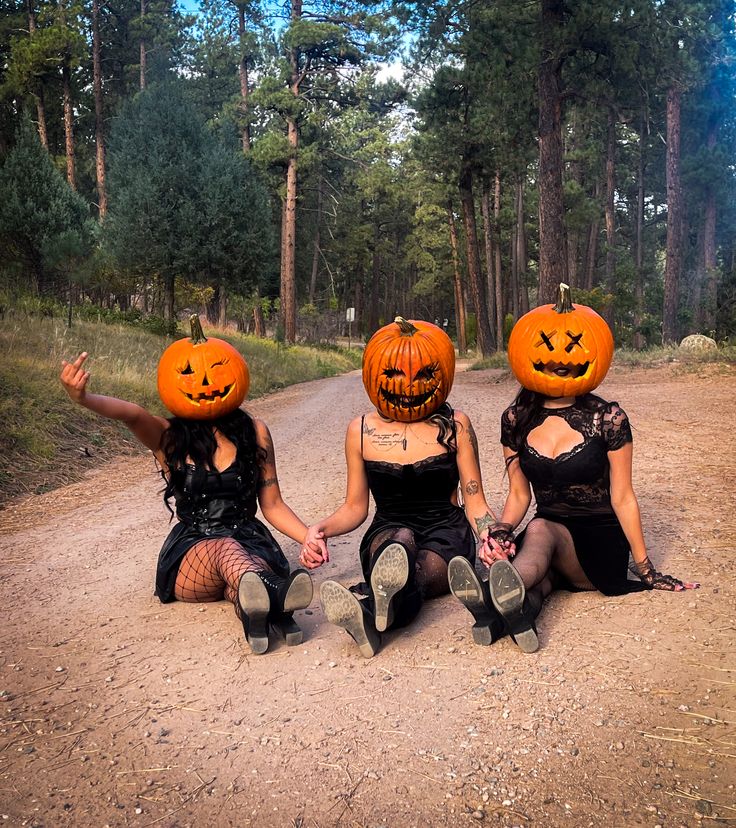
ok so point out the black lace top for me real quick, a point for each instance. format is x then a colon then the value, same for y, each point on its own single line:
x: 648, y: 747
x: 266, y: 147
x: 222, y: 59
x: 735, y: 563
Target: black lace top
x: 575, y: 483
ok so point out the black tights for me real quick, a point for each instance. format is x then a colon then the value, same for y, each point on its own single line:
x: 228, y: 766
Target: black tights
x: 427, y: 573
x: 548, y: 549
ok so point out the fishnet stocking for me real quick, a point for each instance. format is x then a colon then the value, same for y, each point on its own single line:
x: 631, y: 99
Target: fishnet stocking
x: 548, y: 546
x: 212, y: 569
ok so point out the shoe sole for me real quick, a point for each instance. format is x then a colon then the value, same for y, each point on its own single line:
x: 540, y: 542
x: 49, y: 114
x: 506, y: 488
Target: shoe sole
x: 300, y: 593
x: 508, y: 593
x: 390, y: 574
x: 342, y: 609
x: 256, y: 604
x: 465, y: 586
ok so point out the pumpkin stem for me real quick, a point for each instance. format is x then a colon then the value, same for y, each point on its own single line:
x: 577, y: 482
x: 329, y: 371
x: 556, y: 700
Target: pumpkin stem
x: 564, y: 299
x: 198, y: 336
x: 406, y: 328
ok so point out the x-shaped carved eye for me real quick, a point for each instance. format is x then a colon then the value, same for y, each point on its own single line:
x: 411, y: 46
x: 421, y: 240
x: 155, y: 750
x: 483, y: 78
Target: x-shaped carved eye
x: 546, y: 340
x: 575, y: 340
x: 426, y: 373
x: 392, y: 372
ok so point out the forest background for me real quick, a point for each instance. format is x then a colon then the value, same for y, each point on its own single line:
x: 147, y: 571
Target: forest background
x: 273, y: 164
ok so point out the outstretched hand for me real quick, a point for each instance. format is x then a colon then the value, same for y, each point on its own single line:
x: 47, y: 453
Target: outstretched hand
x: 658, y: 580
x: 74, y: 378
x: 314, y: 550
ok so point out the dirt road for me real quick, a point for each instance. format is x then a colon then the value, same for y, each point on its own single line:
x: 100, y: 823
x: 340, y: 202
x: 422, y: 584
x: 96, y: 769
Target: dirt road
x: 117, y: 710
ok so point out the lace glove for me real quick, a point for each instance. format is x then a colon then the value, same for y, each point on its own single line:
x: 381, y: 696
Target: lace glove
x: 658, y: 580
x: 501, y: 533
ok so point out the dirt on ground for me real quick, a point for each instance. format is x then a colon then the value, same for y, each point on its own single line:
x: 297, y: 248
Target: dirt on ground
x: 116, y: 710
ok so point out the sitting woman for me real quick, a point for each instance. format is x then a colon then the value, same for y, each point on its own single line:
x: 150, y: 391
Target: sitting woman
x: 574, y: 450
x: 216, y: 462
x: 410, y: 454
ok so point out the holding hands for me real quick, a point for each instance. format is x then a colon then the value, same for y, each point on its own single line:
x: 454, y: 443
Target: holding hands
x: 314, y: 550
x: 498, y: 544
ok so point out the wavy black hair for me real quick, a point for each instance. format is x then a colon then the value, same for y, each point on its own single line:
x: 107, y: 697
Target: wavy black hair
x: 444, y: 419
x: 194, y: 442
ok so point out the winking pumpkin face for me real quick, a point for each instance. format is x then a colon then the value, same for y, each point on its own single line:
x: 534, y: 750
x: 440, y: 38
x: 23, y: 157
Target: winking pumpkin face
x: 201, y: 378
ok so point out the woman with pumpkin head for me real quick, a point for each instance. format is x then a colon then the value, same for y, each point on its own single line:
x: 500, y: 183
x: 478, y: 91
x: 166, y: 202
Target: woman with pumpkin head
x: 410, y: 454
x: 218, y: 464
x: 574, y: 451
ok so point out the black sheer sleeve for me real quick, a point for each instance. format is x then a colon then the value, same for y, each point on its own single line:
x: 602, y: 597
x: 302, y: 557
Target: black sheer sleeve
x: 616, y: 428
x: 508, y: 422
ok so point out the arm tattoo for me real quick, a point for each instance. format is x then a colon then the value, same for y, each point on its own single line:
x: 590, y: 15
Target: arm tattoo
x: 269, y: 481
x: 473, y: 441
x: 484, y: 522
x: 472, y: 487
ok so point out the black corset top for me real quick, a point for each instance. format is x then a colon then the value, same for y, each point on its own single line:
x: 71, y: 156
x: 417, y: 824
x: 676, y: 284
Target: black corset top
x: 209, y: 500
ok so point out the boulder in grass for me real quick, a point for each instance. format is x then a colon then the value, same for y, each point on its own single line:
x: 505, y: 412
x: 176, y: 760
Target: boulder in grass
x: 699, y: 342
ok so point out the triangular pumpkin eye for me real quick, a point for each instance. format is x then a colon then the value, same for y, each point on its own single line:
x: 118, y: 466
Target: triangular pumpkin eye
x: 187, y: 369
x: 392, y: 372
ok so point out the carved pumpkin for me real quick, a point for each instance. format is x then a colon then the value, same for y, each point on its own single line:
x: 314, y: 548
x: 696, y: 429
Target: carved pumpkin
x: 408, y: 369
x: 561, y: 350
x: 200, y: 378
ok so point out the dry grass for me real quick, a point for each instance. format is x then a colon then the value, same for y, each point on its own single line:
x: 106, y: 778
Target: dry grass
x: 47, y: 441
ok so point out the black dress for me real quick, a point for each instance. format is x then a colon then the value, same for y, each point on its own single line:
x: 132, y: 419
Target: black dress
x: 574, y: 489
x: 214, y: 505
x: 417, y: 496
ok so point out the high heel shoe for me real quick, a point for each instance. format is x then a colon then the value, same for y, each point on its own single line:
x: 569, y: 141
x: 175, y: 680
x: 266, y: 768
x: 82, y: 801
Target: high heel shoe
x: 508, y: 595
x: 344, y: 610
x: 390, y: 574
x: 474, y: 596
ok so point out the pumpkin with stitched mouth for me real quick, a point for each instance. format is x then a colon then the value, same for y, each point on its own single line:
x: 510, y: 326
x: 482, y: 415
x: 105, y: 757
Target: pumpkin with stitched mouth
x: 201, y: 378
x: 408, y: 369
x: 561, y: 350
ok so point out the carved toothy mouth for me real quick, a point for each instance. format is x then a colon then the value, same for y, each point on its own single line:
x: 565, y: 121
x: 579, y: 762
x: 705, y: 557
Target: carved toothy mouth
x: 406, y: 400
x: 563, y: 370
x: 211, y: 397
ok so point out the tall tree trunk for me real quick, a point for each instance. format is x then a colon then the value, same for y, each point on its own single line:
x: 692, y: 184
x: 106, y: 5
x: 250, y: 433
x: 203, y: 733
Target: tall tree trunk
x: 243, y: 75
x: 521, y: 254
x: 576, y: 175
x: 99, y: 118
x: 499, y: 273
x: 475, y: 279
x: 639, y: 253
x: 552, y: 249
x: 710, y: 273
x: 610, y: 214
x: 488, y: 248
x: 66, y: 81
x: 591, y: 256
x: 288, y: 229
x: 168, y: 297
x: 673, y: 265
x: 462, y: 340
x: 375, y: 274
x: 222, y: 307
x: 39, y: 91
x: 316, y: 250
x: 259, y: 323
x: 142, y: 48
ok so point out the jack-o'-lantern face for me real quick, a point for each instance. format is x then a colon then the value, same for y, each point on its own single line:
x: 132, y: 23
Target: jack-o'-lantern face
x: 408, y: 369
x: 561, y: 350
x: 200, y: 378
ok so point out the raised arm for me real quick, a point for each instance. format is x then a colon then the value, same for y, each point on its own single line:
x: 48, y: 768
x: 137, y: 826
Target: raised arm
x: 147, y: 427
x: 354, y: 510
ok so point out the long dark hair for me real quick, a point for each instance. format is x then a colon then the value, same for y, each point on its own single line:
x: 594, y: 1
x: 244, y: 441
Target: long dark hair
x: 193, y: 441
x: 445, y: 421
x: 527, y: 406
